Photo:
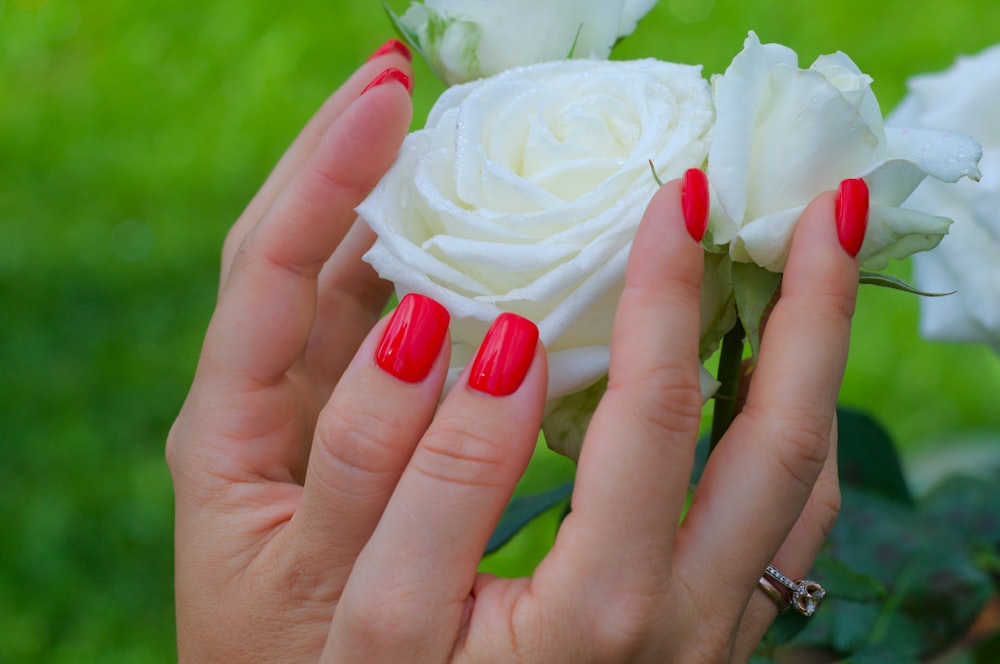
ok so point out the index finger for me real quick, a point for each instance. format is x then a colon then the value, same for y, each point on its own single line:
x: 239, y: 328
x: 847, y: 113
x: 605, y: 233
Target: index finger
x: 391, y: 54
x: 268, y: 304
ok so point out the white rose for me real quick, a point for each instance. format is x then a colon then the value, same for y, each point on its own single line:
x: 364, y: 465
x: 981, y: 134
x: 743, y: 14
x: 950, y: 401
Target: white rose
x: 523, y: 193
x: 463, y: 40
x: 964, y: 98
x: 784, y: 134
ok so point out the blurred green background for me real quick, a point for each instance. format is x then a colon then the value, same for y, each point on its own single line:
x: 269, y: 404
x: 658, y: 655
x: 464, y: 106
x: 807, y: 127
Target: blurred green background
x: 132, y: 134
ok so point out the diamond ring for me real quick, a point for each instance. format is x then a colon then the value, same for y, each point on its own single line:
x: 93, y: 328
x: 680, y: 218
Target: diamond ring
x: 805, y: 596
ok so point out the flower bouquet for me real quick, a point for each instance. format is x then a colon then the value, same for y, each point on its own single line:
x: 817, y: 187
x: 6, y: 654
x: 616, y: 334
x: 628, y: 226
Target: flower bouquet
x: 523, y: 191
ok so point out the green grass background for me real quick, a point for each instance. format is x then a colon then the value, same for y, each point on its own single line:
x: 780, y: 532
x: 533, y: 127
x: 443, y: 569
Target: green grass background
x: 131, y: 135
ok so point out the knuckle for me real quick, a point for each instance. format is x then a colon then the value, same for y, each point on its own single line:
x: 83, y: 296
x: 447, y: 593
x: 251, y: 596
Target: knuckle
x: 824, y: 506
x: 830, y: 306
x: 458, y: 454
x: 362, y: 440
x: 665, y: 399
x: 377, y: 619
x: 625, y: 627
x: 802, y: 445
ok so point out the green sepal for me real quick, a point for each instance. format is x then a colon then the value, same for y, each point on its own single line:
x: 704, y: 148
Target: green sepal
x: 572, y: 48
x: 895, y: 283
x: 411, y: 38
x: 754, y: 288
x: 656, y: 177
x: 566, y: 425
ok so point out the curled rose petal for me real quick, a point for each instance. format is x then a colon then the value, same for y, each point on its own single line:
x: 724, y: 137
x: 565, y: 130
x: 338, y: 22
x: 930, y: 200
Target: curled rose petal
x: 785, y: 134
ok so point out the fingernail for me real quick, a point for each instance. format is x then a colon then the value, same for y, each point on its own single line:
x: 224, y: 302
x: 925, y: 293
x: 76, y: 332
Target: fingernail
x: 412, y: 340
x: 390, y: 74
x: 392, y: 46
x: 694, y: 202
x: 504, y: 356
x: 852, y: 214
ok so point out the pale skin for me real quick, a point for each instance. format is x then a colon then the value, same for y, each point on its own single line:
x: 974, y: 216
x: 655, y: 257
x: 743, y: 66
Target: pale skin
x: 327, y: 511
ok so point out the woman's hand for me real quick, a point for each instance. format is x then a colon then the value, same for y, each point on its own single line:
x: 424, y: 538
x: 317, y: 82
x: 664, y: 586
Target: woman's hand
x: 329, y: 509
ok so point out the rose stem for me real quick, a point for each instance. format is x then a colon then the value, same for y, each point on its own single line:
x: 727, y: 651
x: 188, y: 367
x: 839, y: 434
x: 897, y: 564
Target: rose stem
x: 730, y: 361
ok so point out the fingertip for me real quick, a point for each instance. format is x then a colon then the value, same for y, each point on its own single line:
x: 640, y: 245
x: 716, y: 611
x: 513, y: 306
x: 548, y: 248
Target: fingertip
x: 390, y: 75
x: 505, y: 356
x: 818, y: 250
x: 695, y: 202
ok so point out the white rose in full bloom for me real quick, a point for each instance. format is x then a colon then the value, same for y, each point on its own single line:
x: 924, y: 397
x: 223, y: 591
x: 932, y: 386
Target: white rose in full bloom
x: 523, y: 193
x: 964, y: 98
x: 463, y: 40
x: 785, y: 134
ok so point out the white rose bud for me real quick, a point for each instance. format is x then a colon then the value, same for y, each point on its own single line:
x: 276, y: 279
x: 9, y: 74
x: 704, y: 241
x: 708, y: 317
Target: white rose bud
x: 523, y: 193
x: 463, y: 40
x: 965, y: 98
x: 785, y: 134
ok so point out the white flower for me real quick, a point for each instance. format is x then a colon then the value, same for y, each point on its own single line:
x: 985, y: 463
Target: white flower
x: 965, y: 98
x: 785, y: 134
x: 523, y: 193
x: 468, y: 39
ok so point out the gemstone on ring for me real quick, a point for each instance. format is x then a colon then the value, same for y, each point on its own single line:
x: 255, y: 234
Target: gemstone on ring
x: 805, y: 595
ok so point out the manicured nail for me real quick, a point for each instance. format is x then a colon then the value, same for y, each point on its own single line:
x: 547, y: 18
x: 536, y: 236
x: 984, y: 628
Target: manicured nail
x: 504, y: 356
x: 392, y: 46
x: 694, y: 201
x: 390, y: 74
x: 412, y: 340
x: 852, y: 214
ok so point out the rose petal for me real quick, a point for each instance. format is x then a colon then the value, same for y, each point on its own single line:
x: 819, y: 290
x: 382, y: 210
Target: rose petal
x: 898, y: 233
x: 914, y: 154
x: 767, y: 240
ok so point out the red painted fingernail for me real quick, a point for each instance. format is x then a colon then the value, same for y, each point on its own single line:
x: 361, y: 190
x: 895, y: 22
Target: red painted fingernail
x: 390, y: 74
x: 694, y: 201
x: 504, y: 356
x: 412, y: 339
x: 852, y: 214
x: 392, y: 46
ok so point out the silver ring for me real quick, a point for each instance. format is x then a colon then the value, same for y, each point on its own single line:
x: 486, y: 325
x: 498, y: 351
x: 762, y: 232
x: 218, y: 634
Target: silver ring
x: 805, y: 596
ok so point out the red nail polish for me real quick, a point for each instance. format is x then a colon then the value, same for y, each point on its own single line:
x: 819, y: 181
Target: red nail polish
x: 392, y: 46
x: 504, y: 356
x: 390, y: 74
x: 852, y: 214
x: 694, y: 202
x: 412, y: 340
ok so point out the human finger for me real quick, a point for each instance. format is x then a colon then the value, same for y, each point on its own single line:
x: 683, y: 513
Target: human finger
x: 350, y: 299
x: 761, y: 474
x: 393, y: 54
x: 797, y: 553
x: 267, y: 306
x: 639, y: 448
x: 366, y: 434
x: 408, y: 591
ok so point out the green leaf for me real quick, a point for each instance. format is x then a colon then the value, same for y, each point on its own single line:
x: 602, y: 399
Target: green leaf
x: 988, y: 651
x: 933, y: 589
x: 754, y: 288
x: 867, y: 457
x: 899, y: 653
x: 524, y: 509
x: 971, y: 505
x: 844, y: 583
x: 895, y: 283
